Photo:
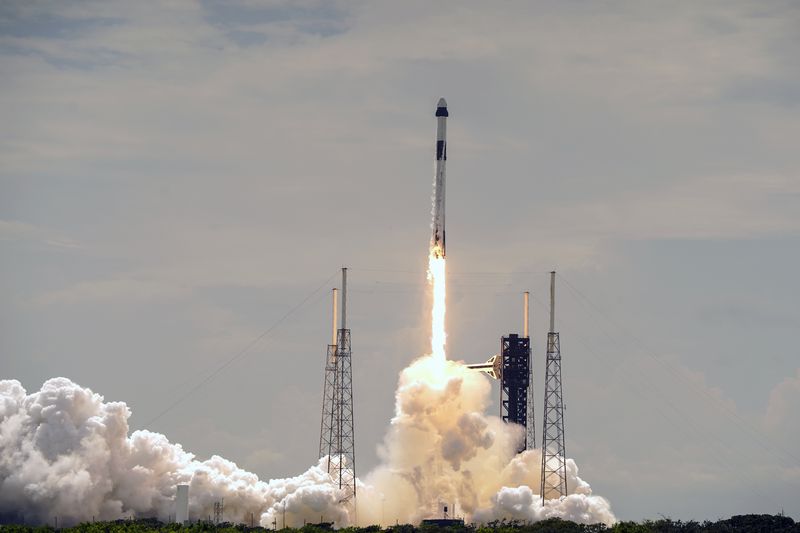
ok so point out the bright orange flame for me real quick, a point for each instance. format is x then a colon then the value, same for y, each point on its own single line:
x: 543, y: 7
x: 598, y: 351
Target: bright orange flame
x: 436, y: 276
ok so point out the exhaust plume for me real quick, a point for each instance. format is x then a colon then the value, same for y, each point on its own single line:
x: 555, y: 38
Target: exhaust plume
x: 65, y: 451
x: 442, y: 448
x: 437, y: 279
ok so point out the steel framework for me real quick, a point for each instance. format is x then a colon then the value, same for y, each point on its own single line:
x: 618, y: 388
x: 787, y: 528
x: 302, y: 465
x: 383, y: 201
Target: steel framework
x: 218, y: 510
x: 530, y: 436
x: 515, y: 379
x: 337, y: 435
x: 329, y: 418
x: 554, y: 467
x: 530, y: 427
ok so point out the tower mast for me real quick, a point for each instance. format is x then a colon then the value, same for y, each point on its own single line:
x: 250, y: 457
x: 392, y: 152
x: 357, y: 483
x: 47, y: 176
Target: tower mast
x: 337, y: 435
x: 554, y: 467
x: 530, y: 427
x: 328, y: 424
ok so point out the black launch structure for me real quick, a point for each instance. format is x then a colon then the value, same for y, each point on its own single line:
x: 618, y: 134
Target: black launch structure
x: 337, y: 436
x: 516, y: 380
x: 513, y: 367
x: 554, y: 466
x: 515, y: 353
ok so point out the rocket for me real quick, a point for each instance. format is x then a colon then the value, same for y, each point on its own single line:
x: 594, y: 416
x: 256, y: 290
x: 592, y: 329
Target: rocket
x: 437, y: 239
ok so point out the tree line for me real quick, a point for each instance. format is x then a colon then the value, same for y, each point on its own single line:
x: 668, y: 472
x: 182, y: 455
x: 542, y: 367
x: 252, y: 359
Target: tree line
x: 750, y: 523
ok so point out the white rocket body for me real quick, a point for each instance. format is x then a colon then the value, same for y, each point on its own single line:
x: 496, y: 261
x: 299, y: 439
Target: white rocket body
x: 438, y: 237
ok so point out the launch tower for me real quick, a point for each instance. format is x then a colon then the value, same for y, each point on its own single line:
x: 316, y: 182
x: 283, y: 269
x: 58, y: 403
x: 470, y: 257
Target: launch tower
x: 337, y: 437
x: 513, y: 367
x: 554, y: 466
x: 515, y: 378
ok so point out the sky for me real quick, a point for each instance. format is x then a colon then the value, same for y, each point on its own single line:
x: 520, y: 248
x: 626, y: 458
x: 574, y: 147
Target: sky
x: 180, y: 183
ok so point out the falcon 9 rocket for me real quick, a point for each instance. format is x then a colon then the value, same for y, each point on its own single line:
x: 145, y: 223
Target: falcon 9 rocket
x: 438, y: 237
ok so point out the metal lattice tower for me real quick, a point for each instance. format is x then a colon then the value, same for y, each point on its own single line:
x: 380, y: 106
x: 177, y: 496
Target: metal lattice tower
x: 554, y: 466
x: 337, y: 436
x: 530, y: 428
x: 328, y: 393
x: 218, y: 510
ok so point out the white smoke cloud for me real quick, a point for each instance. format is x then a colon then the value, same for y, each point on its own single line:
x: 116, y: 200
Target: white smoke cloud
x: 441, y: 448
x: 66, y: 452
x: 521, y: 503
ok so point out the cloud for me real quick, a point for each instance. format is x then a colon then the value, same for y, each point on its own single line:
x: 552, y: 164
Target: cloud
x: 718, y: 207
x: 16, y: 231
x: 112, y: 291
x: 784, y: 404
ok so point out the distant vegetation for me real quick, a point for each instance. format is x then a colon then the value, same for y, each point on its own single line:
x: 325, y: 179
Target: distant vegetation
x: 738, y: 524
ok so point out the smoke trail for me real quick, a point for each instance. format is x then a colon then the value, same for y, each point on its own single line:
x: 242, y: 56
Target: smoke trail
x: 65, y: 451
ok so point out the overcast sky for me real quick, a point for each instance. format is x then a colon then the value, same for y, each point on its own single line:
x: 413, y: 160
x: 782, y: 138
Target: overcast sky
x: 175, y: 178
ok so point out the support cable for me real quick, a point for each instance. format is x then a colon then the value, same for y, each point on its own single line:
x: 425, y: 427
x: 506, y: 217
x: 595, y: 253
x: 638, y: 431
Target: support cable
x: 241, y: 352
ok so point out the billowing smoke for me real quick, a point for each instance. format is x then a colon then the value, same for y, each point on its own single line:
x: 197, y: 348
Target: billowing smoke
x: 442, y: 449
x: 66, y: 452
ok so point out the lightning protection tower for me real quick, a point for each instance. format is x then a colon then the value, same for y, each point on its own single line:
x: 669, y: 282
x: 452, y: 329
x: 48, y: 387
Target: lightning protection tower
x: 328, y: 392
x: 337, y: 437
x: 218, y: 510
x: 530, y: 427
x: 554, y: 466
